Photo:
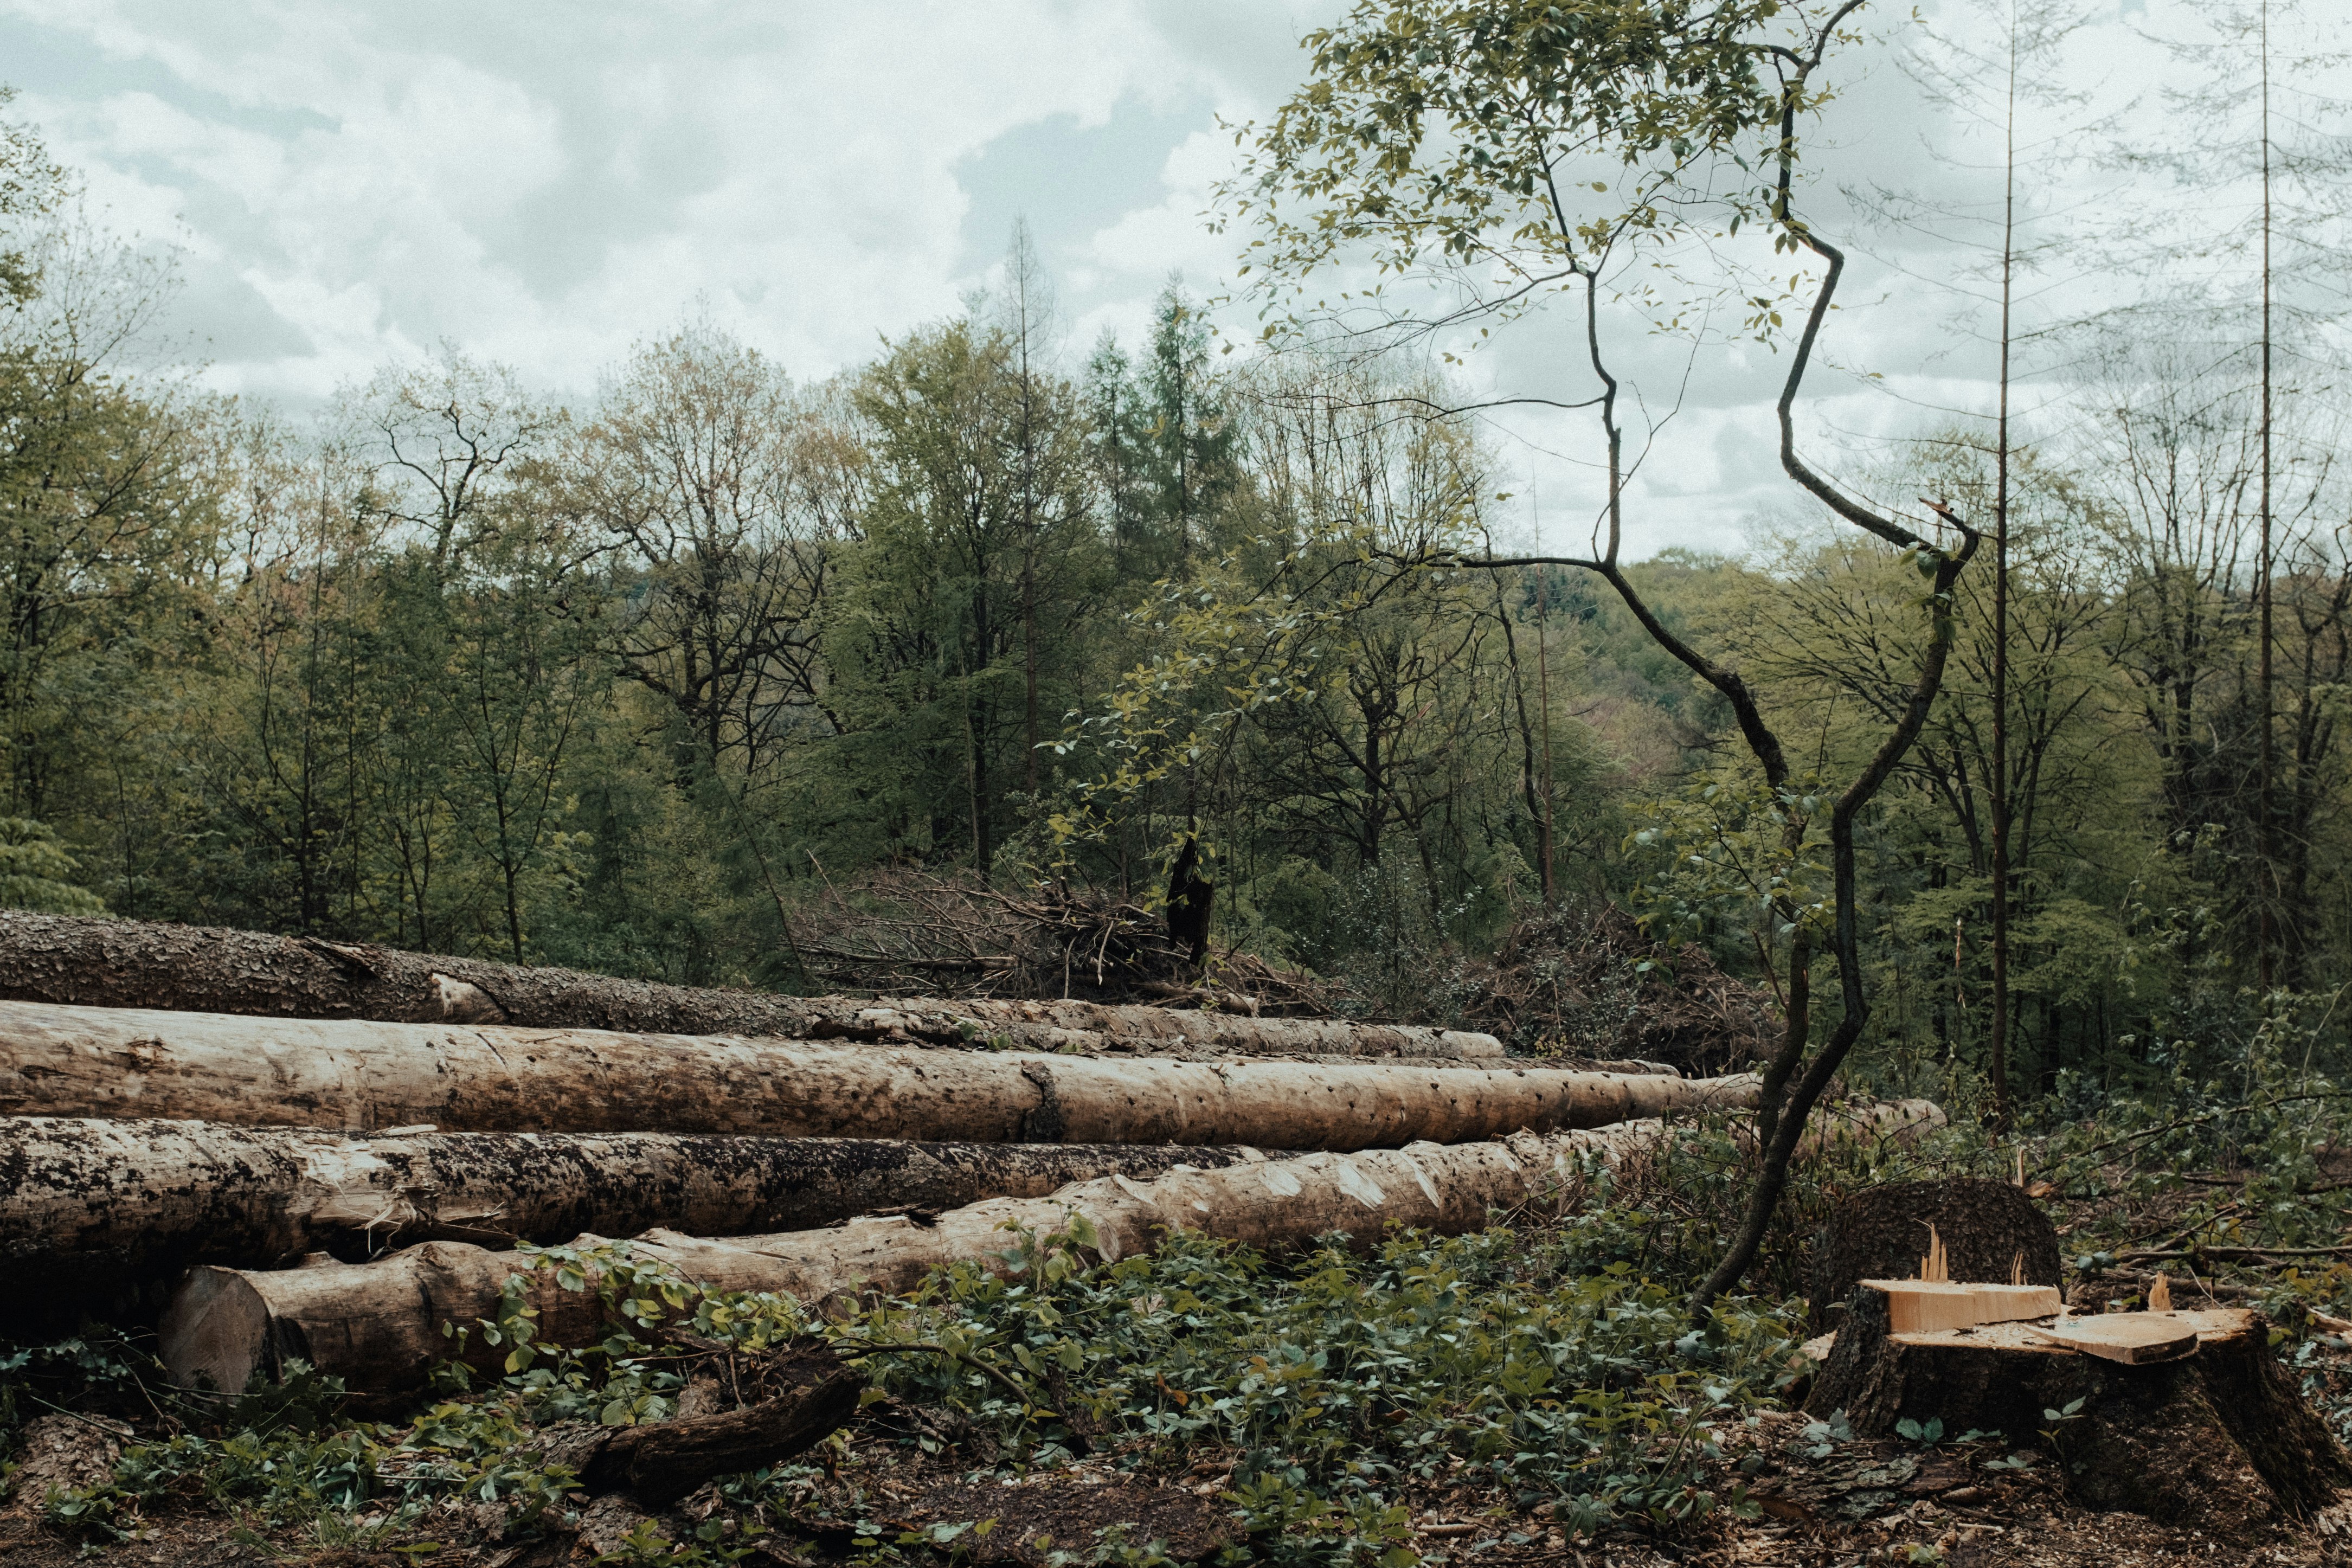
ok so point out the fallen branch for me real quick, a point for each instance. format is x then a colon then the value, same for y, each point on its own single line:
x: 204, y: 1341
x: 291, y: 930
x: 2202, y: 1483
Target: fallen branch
x: 2234, y: 1254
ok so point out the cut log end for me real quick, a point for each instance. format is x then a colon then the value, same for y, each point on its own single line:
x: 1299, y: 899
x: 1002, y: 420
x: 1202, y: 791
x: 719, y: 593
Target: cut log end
x: 216, y: 1334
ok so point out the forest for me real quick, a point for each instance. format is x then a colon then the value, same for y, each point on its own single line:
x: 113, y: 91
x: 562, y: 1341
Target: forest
x: 1224, y: 669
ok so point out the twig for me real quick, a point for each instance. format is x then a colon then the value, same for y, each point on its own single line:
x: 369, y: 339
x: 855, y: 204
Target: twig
x: 2236, y: 1254
x: 977, y: 1365
x: 2202, y: 1115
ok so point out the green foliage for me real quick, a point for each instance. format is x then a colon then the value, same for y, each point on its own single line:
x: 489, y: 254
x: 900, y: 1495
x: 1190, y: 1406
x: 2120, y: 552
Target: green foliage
x: 1499, y: 1357
x: 35, y: 872
x: 1440, y: 133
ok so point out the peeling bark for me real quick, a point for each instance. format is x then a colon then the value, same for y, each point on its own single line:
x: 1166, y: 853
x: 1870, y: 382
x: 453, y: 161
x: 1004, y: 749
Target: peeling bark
x: 95, y: 1209
x: 87, y: 960
x: 378, y: 1325
x: 365, y: 1076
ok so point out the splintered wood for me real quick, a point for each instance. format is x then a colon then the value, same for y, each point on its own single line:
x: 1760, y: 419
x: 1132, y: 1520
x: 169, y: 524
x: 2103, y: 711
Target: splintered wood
x: 2134, y: 1339
x: 1927, y: 1306
x: 1936, y: 1268
x: 1934, y: 1302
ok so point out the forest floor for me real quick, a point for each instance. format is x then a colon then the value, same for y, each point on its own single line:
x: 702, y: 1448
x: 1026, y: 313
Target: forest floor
x: 1530, y: 1396
x: 1815, y: 1503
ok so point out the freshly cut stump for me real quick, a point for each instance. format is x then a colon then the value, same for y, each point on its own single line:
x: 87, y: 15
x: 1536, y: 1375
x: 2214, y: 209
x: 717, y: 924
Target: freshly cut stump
x: 2217, y: 1439
x: 1880, y: 1233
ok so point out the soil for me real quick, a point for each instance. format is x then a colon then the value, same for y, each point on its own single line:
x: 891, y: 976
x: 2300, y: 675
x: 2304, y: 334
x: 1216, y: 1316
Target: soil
x: 1817, y: 1501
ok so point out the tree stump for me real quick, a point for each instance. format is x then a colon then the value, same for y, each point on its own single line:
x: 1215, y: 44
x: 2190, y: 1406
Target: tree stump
x: 1881, y: 1232
x: 2217, y: 1439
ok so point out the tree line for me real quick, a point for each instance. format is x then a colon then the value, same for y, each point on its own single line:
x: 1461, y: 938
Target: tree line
x: 636, y: 682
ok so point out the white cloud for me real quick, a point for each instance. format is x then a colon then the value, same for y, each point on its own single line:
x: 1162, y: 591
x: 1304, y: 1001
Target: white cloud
x: 544, y: 185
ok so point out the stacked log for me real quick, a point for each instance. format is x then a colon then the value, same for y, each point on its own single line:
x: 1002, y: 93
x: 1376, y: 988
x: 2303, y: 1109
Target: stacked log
x: 97, y: 1206
x: 396, y: 1123
x: 379, y: 1325
x: 365, y: 1076
x: 87, y: 960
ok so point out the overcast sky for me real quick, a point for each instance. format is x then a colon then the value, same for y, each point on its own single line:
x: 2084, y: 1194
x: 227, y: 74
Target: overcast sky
x: 544, y: 185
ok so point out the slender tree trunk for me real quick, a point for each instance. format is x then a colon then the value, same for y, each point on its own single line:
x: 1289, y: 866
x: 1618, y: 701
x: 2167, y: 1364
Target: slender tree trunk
x: 1998, y: 1067
x: 1543, y: 717
x: 1029, y: 670
x: 2266, y: 870
x: 1538, y: 808
x: 976, y: 722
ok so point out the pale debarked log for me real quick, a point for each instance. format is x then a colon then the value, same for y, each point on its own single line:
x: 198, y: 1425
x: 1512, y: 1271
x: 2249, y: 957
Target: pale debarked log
x: 365, y: 1076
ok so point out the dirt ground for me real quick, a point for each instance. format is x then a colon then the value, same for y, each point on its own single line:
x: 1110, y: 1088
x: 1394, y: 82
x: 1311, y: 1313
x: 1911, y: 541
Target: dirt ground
x: 1815, y: 1504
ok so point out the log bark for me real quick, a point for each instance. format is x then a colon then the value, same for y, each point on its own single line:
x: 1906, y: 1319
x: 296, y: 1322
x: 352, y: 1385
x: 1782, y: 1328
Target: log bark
x: 87, y: 961
x: 2219, y: 1441
x: 379, y: 1325
x: 365, y: 1076
x: 659, y: 1463
x: 98, y: 1210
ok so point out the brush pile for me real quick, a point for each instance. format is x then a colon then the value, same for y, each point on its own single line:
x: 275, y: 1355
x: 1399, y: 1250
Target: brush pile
x: 1590, y: 983
x: 896, y: 932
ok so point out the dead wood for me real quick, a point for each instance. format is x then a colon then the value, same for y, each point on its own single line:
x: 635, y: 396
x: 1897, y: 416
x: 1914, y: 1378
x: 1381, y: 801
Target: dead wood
x: 891, y: 931
x: 365, y: 1076
x: 662, y: 1462
x: 379, y: 1325
x: 1592, y: 983
x: 109, y: 1213
x: 94, y: 961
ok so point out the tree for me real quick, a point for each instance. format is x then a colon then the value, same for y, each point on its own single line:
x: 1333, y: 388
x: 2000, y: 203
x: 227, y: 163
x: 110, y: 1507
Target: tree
x: 2266, y: 182
x: 485, y: 600
x: 979, y: 563
x: 1444, y: 139
x: 2004, y: 87
x: 1187, y: 438
x: 691, y: 472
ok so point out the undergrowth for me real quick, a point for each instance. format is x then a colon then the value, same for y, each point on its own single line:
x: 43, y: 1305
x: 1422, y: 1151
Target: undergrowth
x: 1547, y: 1365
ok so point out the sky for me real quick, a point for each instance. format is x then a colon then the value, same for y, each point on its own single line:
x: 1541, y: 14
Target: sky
x: 545, y: 185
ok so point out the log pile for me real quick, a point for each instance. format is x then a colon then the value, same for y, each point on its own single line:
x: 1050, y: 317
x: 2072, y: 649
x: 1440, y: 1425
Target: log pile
x: 100, y: 1208
x: 330, y: 1153
x: 87, y: 960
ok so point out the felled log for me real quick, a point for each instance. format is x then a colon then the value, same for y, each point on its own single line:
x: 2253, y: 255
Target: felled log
x: 379, y: 1325
x: 2217, y: 1438
x: 363, y: 1076
x: 85, y: 960
x: 95, y: 1208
